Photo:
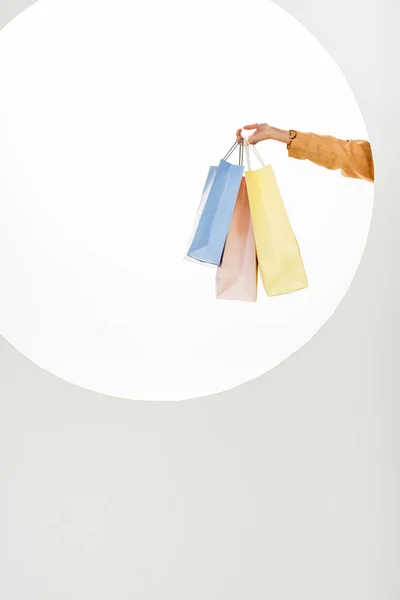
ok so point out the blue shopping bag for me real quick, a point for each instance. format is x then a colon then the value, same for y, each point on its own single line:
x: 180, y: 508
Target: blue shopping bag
x: 215, y: 212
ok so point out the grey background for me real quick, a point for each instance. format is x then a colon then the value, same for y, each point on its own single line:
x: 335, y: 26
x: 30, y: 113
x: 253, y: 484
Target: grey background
x: 284, y: 488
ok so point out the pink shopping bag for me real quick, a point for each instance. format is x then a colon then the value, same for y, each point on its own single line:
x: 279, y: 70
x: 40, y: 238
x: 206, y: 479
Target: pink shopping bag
x: 237, y: 274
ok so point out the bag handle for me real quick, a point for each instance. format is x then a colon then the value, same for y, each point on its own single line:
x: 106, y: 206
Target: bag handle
x: 260, y: 160
x: 231, y: 151
x: 247, y: 145
x: 241, y: 154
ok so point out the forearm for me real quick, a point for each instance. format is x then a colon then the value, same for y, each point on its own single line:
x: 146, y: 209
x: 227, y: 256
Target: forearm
x: 352, y: 157
x: 279, y: 135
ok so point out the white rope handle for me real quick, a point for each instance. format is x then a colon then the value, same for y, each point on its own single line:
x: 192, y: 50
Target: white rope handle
x: 258, y: 155
x: 247, y: 145
x: 241, y: 155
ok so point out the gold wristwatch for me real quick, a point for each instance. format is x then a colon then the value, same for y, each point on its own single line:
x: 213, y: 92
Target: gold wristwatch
x: 292, y: 136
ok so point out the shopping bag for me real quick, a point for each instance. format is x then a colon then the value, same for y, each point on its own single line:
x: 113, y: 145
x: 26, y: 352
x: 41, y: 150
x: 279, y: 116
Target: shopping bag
x: 215, y: 211
x: 236, y: 277
x: 279, y: 259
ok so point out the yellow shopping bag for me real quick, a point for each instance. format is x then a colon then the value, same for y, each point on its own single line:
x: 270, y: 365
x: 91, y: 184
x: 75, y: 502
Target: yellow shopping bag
x: 280, y: 263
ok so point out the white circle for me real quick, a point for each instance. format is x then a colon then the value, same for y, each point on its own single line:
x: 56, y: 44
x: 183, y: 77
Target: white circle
x: 110, y: 115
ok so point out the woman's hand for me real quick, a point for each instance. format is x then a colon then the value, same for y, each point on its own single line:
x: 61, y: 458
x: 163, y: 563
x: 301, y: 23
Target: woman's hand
x: 263, y: 132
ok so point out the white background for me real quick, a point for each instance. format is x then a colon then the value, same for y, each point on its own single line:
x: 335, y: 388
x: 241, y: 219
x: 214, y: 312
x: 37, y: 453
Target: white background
x: 108, y: 125
x: 285, y: 488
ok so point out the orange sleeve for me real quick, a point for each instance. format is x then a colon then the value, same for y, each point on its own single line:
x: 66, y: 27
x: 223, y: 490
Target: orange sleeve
x: 352, y: 157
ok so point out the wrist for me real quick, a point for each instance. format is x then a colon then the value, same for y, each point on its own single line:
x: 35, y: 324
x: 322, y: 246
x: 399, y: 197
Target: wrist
x: 280, y: 135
